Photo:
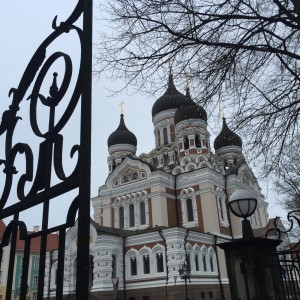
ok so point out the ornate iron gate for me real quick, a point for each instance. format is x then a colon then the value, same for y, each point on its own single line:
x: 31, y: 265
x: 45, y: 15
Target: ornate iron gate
x: 49, y: 157
x: 289, y: 257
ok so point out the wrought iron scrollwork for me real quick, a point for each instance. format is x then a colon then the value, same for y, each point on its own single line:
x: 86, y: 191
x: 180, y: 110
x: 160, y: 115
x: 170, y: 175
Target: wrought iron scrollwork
x: 278, y: 230
x: 35, y: 186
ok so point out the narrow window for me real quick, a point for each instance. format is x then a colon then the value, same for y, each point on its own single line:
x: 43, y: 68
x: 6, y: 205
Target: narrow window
x: 165, y: 134
x: 204, y: 262
x: 189, y: 208
x: 197, y: 262
x: 154, y: 161
x: 114, y: 266
x: 166, y: 159
x: 221, y: 209
x: 159, y: 262
x: 142, y: 213
x: 133, y: 266
x: 121, y: 217
x: 188, y: 261
x: 211, y: 262
x: 131, y: 215
x: 35, y: 280
x: 186, y: 143
x: 146, y: 264
x: 197, y: 140
x: 113, y: 164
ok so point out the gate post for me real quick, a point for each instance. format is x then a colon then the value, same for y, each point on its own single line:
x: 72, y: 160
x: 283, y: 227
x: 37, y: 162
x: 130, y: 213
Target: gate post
x: 253, y: 269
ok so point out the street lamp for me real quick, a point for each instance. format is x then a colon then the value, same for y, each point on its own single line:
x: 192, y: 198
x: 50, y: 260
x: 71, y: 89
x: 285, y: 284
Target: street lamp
x: 184, y: 273
x: 242, y: 204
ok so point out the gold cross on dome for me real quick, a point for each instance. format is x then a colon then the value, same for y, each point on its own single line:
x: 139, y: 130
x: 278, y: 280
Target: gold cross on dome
x: 122, y: 107
x: 222, y: 109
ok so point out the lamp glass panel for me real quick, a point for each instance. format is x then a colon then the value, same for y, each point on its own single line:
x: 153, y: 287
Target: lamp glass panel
x: 244, y: 207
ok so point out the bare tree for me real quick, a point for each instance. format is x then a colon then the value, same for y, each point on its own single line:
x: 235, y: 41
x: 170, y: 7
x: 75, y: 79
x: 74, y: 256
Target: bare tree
x: 288, y: 181
x: 243, y: 52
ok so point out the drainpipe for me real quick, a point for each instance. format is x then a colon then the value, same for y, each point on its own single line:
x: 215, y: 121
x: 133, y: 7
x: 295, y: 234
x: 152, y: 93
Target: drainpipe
x: 219, y: 277
x: 124, y: 270
x: 166, y: 255
x: 184, y: 245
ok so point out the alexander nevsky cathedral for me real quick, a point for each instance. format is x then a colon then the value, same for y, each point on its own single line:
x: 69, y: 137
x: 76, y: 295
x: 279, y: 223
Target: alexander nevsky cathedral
x: 163, y: 209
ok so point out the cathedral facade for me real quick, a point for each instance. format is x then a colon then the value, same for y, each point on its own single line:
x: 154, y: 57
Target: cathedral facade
x: 163, y: 209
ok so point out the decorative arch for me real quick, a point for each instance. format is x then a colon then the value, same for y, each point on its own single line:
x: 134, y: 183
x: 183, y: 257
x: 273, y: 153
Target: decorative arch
x: 191, y: 166
x: 212, y: 260
x: 197, y: 258
x: 199, y: 158
x: 204, y: 259
x: 205, y: 164
x: 131, y: 260
x: 145, y: 260
x: 185, y: 160
x: 189, y: 208
x: 178, y: 170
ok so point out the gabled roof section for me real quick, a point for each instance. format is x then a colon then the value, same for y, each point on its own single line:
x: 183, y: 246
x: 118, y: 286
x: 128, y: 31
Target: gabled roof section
x: 130, y: 170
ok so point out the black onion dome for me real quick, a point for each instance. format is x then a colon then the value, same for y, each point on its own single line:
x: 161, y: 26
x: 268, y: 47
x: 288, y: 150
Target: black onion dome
x: 227, y: 138
x: 171, y: 99
x: 188, y: 112
x: 122, y: 135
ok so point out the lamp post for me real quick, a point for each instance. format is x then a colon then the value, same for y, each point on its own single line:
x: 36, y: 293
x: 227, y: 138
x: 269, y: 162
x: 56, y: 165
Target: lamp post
x: 115, y: 282
x: 184, y: 273
x: 242, y: 204
x: 252, y: 265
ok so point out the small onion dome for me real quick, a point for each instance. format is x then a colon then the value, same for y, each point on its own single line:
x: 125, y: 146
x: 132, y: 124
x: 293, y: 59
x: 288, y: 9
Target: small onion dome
x: 227, y: 138
x: 171, y: 99
x: 188, y: 112
x: 122, y: 135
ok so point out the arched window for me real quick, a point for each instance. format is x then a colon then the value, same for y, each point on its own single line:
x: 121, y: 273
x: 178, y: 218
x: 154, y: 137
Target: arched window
x: 159, y: 262
x: 197, y: 262
x: 133, y: 268
x: 146, y: 264
x: 197, y: 140
x: 189, y: 209
x: 204, y: 262
x: 186, y: 142
x: 165, y: 135
x: 114, y: 266
x: 131, y: 215
x: 142, y: 213
x: 121, y: 217
x: 166, y: 159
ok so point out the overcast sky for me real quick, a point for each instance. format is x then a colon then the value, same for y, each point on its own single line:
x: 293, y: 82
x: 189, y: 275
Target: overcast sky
x: 24, y: 25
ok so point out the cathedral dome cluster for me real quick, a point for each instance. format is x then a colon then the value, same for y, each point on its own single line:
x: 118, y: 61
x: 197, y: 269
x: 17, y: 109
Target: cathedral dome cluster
x: 181, y: 137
